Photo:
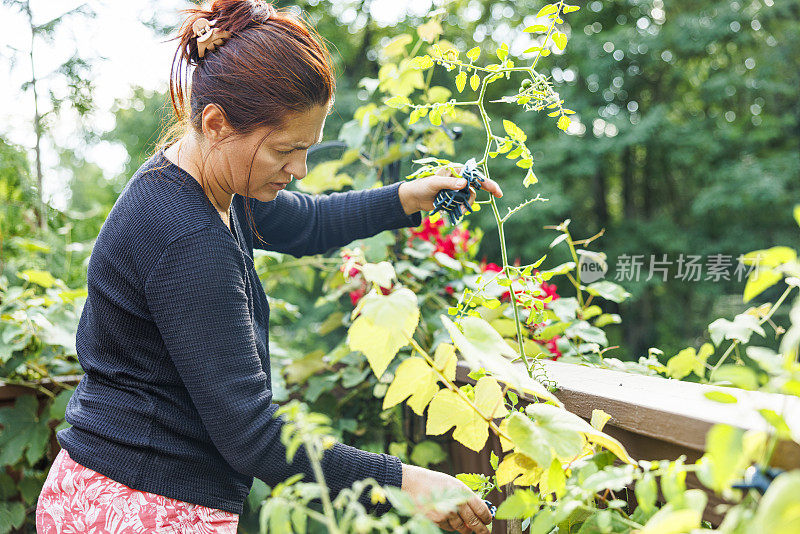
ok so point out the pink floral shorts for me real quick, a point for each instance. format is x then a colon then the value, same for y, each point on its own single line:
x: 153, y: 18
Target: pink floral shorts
x: 76, y: 499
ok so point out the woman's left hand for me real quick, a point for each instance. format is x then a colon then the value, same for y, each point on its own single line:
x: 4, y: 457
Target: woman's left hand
x: 416, y: 195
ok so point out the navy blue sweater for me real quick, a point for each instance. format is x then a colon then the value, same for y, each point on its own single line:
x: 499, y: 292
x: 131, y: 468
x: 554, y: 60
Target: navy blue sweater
x: 176, y: 398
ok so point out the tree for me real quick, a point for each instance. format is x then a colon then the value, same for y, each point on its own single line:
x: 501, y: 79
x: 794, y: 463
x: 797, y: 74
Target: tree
x: 73, y: 72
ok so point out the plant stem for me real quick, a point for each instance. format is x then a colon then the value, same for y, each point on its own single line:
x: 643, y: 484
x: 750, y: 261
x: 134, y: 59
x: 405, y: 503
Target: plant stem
x: 499, y: 221
x: 313, y: 457
x: 735, y: 342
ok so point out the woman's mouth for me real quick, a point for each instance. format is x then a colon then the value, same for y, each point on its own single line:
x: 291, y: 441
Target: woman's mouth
x: 278, y: 185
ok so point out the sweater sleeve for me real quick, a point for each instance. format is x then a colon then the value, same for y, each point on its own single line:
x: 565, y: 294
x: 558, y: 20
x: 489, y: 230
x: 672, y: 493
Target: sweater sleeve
x: 300, y: 224
x: 197, y: 293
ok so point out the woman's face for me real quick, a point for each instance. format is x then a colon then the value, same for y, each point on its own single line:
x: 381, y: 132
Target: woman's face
x: 281, y: 155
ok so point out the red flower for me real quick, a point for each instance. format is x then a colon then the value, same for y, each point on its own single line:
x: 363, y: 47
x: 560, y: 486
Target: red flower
x: 428, y: 229
x: 449, y: 289
x: 548, y: 290
x: 553, y: 347
x: 447, y: 243
x: 355, y: 296
x: 492, y: 267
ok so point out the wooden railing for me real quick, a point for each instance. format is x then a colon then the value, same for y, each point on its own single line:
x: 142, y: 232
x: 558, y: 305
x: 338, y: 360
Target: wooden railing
x: 653, y: 417
x: 9, y: 392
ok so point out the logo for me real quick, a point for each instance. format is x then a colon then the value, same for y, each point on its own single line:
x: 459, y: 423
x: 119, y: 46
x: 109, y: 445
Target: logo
x: 592, y: 266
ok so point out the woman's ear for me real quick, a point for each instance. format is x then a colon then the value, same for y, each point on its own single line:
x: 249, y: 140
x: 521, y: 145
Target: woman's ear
x: 215, y: 123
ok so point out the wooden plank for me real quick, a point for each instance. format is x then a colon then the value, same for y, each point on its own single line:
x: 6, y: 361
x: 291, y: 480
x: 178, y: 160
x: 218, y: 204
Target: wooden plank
x: 9, y: 392
x: 657, y: 418
x: 669, y: 411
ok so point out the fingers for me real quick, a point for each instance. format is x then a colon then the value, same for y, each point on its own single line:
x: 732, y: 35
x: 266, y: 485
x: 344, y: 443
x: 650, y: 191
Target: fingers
x: 469, y: 519
x: 449, y: 170
x: 491, y: 186
x: 458, y: 525
x: 480, y: 510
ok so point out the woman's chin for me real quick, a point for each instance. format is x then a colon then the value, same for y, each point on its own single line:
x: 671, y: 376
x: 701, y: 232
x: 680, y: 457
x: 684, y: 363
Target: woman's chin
x: 265, y: 196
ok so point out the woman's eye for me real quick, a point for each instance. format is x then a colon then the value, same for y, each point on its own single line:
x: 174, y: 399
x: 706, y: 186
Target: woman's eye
x: 285, y: 151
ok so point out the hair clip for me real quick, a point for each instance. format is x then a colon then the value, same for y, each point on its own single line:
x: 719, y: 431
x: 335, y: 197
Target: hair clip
x: 207, y: 36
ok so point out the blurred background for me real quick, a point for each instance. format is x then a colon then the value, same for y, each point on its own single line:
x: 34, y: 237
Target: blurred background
x: 685, y: 141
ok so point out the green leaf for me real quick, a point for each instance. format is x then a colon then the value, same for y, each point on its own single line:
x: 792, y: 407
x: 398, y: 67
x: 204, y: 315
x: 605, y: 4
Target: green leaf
x: 724, y: 458
x: 426, y: 453
x: 12, y: 516
x: 779, y: 508
x: 59, y: 405
x: 325, y: 177
x: 720, y: 396
x: 741, y: 328
x: 502, y: 51
x: 42, y: 278
x: 610, y: 477
x: 482, y: 346
x: 607, y: 318
x: 473, y: 481
x: 560, y: 39
x: 777, y: 421
x: 646, y: 492
x: 522, y: 503
x: 414, y: 378
x: 563, y: 123
x: 448, y: 409
x: 530, y: 179
x: 758, y: 281
x: 689, y: 360
x: 797, y: 214
x: 551, y: 432
x: 429, y: 31
x: 421, y: 62
x: 258, y: 493
x: 398, y: 102
x: 771, y: 257
x: 474, y: 53
x: 22, y: 432
x: 547, y: 10
x: 474, y: 82
x: 384, y: 325
x: 608, y: 290
x: 514, y: 131
x: 397, y: 46
x: 435, y: 116
x: 461, y: 81
x: 381, y: 273
x: 738, y: 375
x: 536, y: 28
x: 671, y: 521
x: 30, y: 487
x: 554, y: 480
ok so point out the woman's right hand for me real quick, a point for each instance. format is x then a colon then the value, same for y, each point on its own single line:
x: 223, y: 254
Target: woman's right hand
x: 422, y: 484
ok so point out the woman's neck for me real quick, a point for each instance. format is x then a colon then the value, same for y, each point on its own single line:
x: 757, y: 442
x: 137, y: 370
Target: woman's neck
x: 186, y: 153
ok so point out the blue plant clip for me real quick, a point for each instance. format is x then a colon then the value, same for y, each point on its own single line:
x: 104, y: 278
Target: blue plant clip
x: 452, y: 203
x: 758, y: 478
x: 492, y: 508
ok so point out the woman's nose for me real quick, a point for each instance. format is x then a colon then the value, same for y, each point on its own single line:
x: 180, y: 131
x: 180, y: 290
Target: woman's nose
x: 297, y: 165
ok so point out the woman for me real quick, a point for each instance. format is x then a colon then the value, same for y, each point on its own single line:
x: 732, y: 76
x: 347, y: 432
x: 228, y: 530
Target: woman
x: 173, y: 417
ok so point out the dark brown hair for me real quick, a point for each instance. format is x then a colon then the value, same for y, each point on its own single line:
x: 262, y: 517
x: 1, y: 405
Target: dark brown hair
x: 274, y: 64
